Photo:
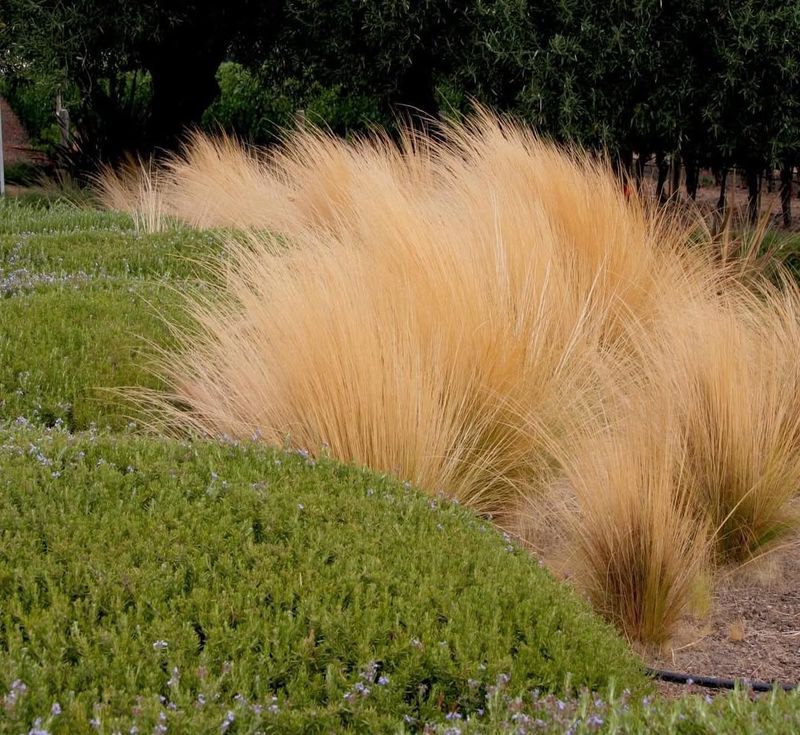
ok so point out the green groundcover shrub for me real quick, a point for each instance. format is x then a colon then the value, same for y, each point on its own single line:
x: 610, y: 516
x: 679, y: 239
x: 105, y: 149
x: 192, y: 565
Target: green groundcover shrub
x: 82, y: 305
x: 147, y: 582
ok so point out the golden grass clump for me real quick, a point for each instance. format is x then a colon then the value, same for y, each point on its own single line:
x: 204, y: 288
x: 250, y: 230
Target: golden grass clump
x: 486, y: 315
x: 738, y: 382
x: 136, y: 188
x: 638, y: 545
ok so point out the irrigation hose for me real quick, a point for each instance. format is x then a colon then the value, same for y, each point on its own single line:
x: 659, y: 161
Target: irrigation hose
x: 712, y: 682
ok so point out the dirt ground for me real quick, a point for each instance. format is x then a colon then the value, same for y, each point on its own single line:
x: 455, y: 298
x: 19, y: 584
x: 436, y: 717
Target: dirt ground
x: 752, y: 630
x: 708, y: 196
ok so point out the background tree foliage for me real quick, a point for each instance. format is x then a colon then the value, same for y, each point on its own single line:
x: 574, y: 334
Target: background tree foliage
x: 138, y: 72
x: 709, y: 83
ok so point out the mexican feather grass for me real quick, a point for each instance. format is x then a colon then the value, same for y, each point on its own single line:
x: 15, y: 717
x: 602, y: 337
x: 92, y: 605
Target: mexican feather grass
x: 488, y: 316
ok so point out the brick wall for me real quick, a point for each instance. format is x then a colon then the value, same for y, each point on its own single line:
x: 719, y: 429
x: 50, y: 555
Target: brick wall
x: 15, y: 140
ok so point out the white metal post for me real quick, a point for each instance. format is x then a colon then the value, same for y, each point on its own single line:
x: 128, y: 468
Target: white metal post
x: 2, y: 164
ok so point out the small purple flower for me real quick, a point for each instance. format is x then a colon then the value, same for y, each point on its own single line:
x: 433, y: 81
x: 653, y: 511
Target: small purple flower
x: 159, y: 645
x: 361, y: 688
x: 37, y: 728
x: 228, y: 721
x: 383, y: 681
x: 595, y: 722
x: 14, y: 693
x: 452, y: 716
x: 55, y: 710
x: 95, y: 723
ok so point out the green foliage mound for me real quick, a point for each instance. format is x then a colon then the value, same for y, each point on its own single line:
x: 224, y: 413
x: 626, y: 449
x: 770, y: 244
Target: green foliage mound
x: 82, y: 301
x: 134, y: 569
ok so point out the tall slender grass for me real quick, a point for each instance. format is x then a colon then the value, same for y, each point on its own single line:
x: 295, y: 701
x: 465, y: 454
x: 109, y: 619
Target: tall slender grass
x: 136, y: 188
x: 639, y: 546
x: 488, y: 316
x: 737, y: 384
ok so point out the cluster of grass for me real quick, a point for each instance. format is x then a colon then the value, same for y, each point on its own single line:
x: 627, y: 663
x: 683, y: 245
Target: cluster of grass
x: 156, y: 585
x: 490, y: 317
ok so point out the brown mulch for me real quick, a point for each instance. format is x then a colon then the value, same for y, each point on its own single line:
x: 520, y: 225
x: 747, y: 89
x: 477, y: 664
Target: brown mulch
x: 752, y: 630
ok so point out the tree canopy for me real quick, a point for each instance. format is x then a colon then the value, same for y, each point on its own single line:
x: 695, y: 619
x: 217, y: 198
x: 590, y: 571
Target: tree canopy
x: 714, y: 82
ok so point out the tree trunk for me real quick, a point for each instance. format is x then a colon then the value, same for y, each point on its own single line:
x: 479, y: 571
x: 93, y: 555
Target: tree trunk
x: 662, y: 164
x: 723, y: 180
x: 786, y: 192
x: 692, y: 177
x: 639, y: 170
x: 676, y: 175
x: 622, y: 164
x: 753, y: 175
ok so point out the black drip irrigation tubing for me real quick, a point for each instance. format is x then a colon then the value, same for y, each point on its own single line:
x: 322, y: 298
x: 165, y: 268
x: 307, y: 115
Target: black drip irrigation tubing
x: 712, y: 682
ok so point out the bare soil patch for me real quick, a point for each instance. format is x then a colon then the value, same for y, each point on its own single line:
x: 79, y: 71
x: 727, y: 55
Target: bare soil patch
x: 752, y: 630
